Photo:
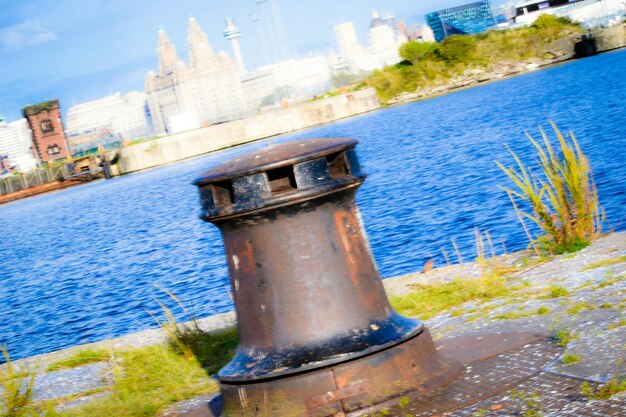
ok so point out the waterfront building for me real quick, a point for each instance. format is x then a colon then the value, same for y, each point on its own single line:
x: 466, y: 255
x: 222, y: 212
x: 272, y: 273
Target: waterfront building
x: 124, y: 115
x: 302, y: 78
x: 589, y: 13
x: 503, y: 11
x: 258, y: 86
x: 15, y: 146
x: 46, y: 130
x: 5, y: 165
x: 93, y: 140
x: 466, y: 19
x: 184, y: 96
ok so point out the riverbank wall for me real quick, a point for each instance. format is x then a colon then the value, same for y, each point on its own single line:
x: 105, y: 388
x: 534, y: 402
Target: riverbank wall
x: 611, y: 38
x: 197, y: 142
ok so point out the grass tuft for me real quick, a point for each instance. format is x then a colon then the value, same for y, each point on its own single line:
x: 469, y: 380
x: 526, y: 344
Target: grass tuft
x: 147, y: 380
x: 16, y: 391
x: 605, y: 391
x: 580, y: 307
x: 570, y: 358
x: 513, y: 315
x: 606, y: 262
x: 563, y: 199
x: 82, y: 357
x: 429, y: 300
x: 563, y: 337
x: 212, y: 349
x: 558, y: 291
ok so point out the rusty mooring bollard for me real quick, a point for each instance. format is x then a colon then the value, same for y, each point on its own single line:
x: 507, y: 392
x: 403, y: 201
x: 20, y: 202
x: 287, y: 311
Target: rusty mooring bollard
x: 317, y: 334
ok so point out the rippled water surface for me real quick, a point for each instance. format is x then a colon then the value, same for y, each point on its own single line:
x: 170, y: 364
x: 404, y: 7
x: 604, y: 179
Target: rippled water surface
x: 85, y: 264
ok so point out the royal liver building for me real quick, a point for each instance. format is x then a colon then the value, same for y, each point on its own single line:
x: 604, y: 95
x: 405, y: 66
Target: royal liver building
x: 185, y: 96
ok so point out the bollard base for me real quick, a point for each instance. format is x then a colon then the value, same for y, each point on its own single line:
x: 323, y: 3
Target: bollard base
x: 412, y: 366
x: 494, y: 364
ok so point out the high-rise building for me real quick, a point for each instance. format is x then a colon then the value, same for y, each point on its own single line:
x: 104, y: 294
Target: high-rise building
x: 184, y: 96
x: 382, y: 35
x: 124, y: 115
x: 461, y: 20
x: 15, y: 146
x: 390, y: 20
x: 272, y: 36
x: 233, y: 33
x: 384, y: 42
x: 46, y: 128
x: 349, y: 46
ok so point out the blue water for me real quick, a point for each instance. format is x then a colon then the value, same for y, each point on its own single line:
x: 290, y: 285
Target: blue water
x: 86, y: 263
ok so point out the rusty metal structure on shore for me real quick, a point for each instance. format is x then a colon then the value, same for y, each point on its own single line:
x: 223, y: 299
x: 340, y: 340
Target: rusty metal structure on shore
x: 318, y: 336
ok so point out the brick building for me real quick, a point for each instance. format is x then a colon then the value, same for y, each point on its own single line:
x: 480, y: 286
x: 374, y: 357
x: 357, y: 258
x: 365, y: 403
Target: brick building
x: 44, y: 122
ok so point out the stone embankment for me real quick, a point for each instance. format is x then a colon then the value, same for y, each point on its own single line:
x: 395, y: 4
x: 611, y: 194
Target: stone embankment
x: 197, y: 142
x: 589, y: 305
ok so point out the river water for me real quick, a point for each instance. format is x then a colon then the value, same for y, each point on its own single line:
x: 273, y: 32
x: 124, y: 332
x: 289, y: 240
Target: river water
x: 86, y: 263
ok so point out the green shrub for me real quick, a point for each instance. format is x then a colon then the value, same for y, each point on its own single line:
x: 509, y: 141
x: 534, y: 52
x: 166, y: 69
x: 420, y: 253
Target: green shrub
x: 457, y: 48
x: 414, y: 51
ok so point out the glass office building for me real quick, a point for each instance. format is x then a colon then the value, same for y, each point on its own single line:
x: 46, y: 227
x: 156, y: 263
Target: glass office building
x: 462, y: 20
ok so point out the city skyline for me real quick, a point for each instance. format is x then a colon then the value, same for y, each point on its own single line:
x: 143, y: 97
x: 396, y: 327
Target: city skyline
x: 90, y: 53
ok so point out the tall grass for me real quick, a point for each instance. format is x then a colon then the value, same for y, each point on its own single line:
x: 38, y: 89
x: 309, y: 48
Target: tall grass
x: 562, y: 196
x: 16, y: 391
x: 211, y: 349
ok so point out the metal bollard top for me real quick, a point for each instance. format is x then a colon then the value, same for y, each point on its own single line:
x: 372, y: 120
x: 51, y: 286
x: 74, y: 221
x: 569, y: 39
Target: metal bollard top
x: 279, y: 174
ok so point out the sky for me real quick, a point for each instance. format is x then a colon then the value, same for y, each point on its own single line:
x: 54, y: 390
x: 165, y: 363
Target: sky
x: 82, y: 50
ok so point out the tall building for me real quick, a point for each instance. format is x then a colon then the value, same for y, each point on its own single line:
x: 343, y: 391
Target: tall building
x: 15, y: 146
x: 185, y: 96
x: 233, y: 33
x: 461, y: 20
x: 390, y: 20
x: 384, y: 42
x: 124, y: 115
x: 348, y: 42
x: 272, y: 36
x: 46, y: 128
x: 382, y: 36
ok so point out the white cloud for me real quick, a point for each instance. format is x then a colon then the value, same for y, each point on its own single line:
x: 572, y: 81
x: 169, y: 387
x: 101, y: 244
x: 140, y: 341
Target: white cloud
x: 28, y: 33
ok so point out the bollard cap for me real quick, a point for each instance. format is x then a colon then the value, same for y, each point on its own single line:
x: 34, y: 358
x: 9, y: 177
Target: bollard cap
x: 277, y: 175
